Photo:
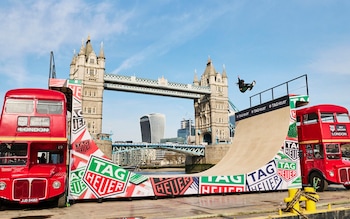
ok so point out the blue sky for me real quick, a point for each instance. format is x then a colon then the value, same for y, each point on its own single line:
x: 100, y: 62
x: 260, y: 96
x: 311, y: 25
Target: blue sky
x: 270, y: 41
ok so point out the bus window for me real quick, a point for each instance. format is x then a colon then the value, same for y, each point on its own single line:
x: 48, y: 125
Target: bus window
x: 298, y: 121
x: 310, y: 118
x: 49, y: 107
x: 56, y: 157
x: 13, y: 153
x: 309, y: 153
x: 345, y: 150
x: 52, y: 157
x: 19, y: 106
x: 342, y: 117
x: 318, y: 151
x: 42, y: 157
x: 332, y: 148
x: 327, y: 117
x: 332, y: 151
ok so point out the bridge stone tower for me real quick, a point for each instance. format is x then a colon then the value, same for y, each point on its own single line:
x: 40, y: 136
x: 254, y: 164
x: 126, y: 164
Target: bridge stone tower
x: 90, y: 68
x: 212, y: 111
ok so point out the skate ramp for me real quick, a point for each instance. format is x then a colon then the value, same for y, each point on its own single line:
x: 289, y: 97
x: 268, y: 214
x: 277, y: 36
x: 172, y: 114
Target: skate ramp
x: 257, y: 140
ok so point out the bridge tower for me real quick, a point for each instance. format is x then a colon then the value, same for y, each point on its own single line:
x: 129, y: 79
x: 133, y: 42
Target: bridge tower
x: 90, y: 68
x: 211, y: 110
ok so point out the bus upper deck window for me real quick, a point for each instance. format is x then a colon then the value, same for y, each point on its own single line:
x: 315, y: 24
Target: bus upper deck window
x: 342, y: 117
x: 19, y: 106
x: 310, y: 118
x: 327, y: 117
x: 49, y: 107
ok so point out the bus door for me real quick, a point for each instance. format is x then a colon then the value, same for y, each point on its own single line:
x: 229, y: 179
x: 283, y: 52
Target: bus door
x: 319, y: 157
x: 313, y: 159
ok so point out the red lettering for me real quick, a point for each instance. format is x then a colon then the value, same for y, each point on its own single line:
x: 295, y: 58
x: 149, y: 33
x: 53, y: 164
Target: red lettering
x: 96, y: 182
x: 76, y: 90
x: 103, y: 185
x: 210, y: 189
x: 171, y: 186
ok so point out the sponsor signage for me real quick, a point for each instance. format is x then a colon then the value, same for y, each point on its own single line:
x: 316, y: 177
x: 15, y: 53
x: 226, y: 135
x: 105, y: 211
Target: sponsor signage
x: 171, y: 186
x: 222, y: 184
x: 263, y: 108
x: 105, y: 178
x: 294, y: 100
x: 291, y: 149
x: 264, y: 179
x: 78, y: 122
x: 76, y: 184
x: 82, y: 146
x: 75, y: 86
x: 287, y: 169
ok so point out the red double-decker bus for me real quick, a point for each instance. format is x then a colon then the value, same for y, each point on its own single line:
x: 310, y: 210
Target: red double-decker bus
x: 33, y: 146
x: 324, y: 140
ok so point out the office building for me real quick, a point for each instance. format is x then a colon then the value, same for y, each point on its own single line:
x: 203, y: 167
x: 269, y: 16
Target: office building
x: 186, y: 131
x: 152, y: 127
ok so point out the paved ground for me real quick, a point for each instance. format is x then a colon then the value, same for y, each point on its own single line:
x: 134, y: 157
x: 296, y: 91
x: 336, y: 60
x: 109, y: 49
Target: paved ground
x: 218, y: 206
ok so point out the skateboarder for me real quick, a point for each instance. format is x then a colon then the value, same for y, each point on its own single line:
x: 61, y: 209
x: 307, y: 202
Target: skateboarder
x: 243, y: 87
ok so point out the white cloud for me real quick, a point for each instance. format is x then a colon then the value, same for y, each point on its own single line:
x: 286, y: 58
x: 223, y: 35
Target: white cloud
x: 34, y: 28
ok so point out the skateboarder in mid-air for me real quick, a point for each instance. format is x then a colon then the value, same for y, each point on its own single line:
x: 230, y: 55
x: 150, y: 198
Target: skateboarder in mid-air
x: 243, y: 87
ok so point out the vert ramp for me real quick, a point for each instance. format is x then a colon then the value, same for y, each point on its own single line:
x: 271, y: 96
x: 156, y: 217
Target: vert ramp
x: 257, y: 140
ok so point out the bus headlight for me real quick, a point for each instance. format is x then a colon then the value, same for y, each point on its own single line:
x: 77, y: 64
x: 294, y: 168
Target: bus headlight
x: 56, y: 184
x: 2, y: 185
x: 331, y: 173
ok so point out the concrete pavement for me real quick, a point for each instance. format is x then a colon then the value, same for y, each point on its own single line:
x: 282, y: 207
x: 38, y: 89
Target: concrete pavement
x: 213, y: 206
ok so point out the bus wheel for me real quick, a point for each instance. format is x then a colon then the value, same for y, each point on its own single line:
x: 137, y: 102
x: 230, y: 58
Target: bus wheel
x: 62, y: 201
x: 317, y: 181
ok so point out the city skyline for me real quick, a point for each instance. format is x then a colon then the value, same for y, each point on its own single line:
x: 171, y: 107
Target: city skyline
x: 267, y: 41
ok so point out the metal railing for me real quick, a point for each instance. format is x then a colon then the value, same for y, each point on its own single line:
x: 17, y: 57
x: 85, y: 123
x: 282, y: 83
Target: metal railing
x: 294, y: 85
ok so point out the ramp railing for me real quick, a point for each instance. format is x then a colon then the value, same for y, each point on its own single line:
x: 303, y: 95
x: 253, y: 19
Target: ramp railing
x: 295, y: 86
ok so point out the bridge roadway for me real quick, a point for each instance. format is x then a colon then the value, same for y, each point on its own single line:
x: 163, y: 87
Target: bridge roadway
x: 194, y: 150
x: 239, y: 206
x: 157, y: 87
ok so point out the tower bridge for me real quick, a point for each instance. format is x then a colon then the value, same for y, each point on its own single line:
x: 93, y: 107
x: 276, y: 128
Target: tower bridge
x: 209, y: 93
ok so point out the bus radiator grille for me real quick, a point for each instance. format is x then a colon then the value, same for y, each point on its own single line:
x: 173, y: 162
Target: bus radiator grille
x: 29, y: 188
x: 344, y: 175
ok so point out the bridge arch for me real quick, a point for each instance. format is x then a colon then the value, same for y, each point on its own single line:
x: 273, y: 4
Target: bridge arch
x: 207, y: 138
